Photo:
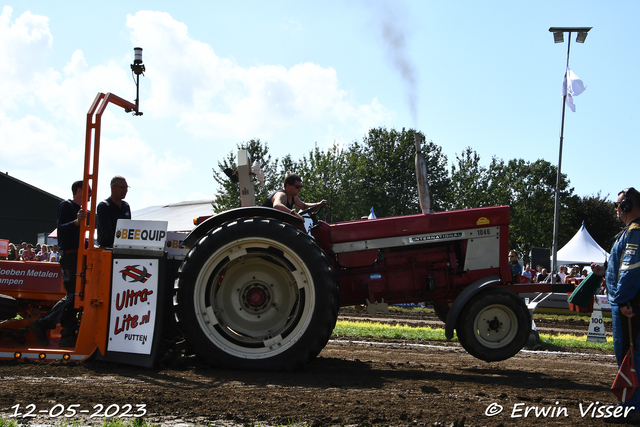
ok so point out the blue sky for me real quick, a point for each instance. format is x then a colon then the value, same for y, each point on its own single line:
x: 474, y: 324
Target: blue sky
x: 295, y: 74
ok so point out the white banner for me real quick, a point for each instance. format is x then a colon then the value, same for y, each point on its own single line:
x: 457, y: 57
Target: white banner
x: 175, y: 245
x: 604, y: 302
x: 144, y: 235
x: 134, y: 298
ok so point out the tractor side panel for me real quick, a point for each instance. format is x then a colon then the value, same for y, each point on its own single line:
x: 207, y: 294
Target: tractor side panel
x: 418, y: 257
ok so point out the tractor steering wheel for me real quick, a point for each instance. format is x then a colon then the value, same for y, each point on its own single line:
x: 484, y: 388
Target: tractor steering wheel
x: 312, y: 208
x: 312, y: 213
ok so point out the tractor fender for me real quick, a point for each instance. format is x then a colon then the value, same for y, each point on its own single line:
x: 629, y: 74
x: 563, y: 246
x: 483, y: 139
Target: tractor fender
x: 217, y: 220
x: 463, y: 298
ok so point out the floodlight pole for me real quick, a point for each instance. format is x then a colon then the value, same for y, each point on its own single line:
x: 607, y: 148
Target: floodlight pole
x: 556, y: 210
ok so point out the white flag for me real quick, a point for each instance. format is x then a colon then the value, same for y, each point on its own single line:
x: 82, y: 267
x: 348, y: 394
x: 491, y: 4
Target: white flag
x: 574, y: 87
x: 372, y: 215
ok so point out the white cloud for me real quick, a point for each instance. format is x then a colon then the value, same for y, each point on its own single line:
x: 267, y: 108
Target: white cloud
x: 43, y: 146
x: 69, y: 97
x: 27, y: 35
x: 292, y: 25
x: 187, y: 88
x: 214, y: 97
x: 77, y: 65
x: 30, y: 144
x: 25, y: 81
x: 24, y: 44
x: 151, y: 174
x: 185, y: 74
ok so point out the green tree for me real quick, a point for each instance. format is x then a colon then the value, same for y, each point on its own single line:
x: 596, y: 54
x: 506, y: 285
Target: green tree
x: 330, y: 175
x: 532, y: 187
x: 468, y: 181
x: 386, y: 171
x: 473, y: 185
x: 378, y: 172
x: 228, y: 196
x: 599, y: 219
x: 438, y: 176
x: 528, y: 188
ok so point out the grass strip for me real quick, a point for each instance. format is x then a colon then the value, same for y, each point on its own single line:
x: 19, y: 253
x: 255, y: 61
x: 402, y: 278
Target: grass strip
x: 575, y: 342
x: 346, y: 328
x: 378, y: 330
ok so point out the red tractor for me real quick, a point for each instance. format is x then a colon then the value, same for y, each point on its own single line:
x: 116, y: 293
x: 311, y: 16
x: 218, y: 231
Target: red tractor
x: 258, y: 291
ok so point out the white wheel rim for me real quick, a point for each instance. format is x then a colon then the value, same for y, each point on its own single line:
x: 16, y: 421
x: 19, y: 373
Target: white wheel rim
x: 254, y: 298
x: 496, y: 326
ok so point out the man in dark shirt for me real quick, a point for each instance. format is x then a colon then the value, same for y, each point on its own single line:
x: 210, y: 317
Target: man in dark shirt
x: 111, y: 210
x: 286, y: 199
x: 69, y: 216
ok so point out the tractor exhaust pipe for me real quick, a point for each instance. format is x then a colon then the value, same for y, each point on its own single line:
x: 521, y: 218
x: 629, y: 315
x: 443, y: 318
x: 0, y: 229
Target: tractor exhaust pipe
x: 421, y: 176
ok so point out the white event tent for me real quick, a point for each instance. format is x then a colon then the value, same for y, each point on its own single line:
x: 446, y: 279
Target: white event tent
x: 179, y: 215
x: 581, y: 249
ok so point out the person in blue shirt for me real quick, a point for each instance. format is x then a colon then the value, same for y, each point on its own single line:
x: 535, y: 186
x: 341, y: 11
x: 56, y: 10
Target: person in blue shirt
x: 622, y: 276
x: 514, y: 264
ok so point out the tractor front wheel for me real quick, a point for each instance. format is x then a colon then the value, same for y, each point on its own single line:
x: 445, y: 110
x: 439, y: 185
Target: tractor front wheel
x: 494, y: 326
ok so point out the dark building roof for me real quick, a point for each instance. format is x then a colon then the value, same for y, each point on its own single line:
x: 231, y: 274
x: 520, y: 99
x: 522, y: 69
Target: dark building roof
x: 26, y: 210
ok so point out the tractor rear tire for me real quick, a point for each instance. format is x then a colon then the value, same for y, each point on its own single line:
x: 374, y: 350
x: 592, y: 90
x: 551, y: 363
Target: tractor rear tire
x: 494, y: 326
x: 9, y: 307
x: 256, y: 294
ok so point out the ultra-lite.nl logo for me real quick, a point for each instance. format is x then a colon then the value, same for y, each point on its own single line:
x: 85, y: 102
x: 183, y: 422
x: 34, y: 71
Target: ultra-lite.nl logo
x: 132, y: 273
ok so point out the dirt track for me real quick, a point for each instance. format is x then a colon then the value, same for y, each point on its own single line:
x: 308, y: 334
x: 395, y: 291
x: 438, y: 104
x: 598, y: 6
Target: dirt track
x: 348, y: 384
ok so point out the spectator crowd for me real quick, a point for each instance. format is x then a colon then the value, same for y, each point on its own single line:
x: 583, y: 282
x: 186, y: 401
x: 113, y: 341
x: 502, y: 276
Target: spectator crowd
x: 539, y: 274
x: 28, y: 252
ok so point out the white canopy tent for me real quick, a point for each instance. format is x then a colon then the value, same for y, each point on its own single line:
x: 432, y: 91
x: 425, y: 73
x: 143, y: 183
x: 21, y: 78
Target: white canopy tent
x: 581, y: 249
x: 179, y: 215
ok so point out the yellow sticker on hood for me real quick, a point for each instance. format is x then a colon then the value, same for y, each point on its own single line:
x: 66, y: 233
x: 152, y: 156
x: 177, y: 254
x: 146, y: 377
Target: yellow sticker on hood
x: 483, y: 221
